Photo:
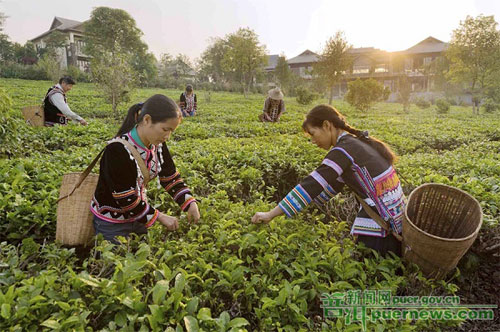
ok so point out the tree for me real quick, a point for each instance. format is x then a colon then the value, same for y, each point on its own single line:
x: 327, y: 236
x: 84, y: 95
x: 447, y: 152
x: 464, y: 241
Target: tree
x: 54, y: 41
x: 115, y: 77
x: 181, y: 66
x: 113, y: 41
x: 165, y: 75
x: 244, y: 57
x: 112, y: 31
x: 50, y: 67
x: 474, y: 56
x: 25, y: 54
x: 210, y: 63
x: 3, y: 17
x: 283, y: 73
x: 362, y: 94
x: 6, y: 49
x: 334, y: 62
x: 146, y: 67
x: 404, y: 92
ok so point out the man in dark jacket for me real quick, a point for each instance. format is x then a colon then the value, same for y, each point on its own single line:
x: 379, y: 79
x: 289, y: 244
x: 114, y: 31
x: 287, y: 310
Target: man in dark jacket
x: 55, y: 106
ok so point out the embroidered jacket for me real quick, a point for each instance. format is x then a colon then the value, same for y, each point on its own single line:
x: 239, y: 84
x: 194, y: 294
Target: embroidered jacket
x: 188, y: 103
x: 356, y: 164
x: 120, y: 196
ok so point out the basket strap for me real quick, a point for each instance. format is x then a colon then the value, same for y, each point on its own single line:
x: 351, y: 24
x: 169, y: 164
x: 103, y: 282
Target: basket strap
x: 84, y: 174
x: 137, y: 157
x: 377, y: 218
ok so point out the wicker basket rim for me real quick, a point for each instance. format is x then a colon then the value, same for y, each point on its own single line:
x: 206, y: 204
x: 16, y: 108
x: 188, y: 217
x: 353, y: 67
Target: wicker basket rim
x: 471, y: 235
x: 72, y: 173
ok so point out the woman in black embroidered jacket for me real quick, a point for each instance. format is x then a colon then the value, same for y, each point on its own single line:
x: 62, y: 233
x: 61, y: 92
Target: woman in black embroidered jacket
x: 358, y: 161
x: 120, y: 204
x: 188, y: 102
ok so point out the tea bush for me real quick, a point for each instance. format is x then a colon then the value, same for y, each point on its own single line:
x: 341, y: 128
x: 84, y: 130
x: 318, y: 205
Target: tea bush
x: 304, y: 95
x: 443, y: 106
x: 224, y: 273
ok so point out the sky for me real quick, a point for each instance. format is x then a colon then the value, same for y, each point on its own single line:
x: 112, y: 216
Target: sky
x: 285, y: 26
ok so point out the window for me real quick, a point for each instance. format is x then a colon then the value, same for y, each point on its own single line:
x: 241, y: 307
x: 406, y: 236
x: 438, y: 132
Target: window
x: 427, y: 60
x: 381, y: 69
x: 361, y: 69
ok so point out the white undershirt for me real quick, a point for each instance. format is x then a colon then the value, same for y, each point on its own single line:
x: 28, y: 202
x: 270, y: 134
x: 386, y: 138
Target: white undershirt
x: 57, y: 100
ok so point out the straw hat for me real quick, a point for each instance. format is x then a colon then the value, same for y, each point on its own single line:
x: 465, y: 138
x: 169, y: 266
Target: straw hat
x: 275, y: 94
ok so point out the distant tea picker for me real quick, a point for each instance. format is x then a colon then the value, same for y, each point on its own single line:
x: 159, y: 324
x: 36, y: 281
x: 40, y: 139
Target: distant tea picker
x: 55, y: 105
x: 274, y: 106
x: 188, y: 102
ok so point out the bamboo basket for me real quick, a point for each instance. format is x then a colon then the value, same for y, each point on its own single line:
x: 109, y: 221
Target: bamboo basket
x: 34, y: 115
x: 439, y: 226
x: 74, y: 219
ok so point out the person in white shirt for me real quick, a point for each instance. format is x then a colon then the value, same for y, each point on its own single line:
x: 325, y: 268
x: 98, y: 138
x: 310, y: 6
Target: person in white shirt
x: 55, y: 106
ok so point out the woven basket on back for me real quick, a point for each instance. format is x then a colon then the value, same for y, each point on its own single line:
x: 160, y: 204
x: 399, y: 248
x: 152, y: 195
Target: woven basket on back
x: 34, y: 116
x: 440, y: 225
x: 74, y: 219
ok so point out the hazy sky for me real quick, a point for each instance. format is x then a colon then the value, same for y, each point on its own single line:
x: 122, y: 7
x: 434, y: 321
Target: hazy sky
x: 284, y: 26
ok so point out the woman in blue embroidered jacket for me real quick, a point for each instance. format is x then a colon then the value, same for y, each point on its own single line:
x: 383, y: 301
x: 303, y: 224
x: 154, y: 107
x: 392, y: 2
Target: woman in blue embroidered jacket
x: 120, y: 205
x: 363, y: 163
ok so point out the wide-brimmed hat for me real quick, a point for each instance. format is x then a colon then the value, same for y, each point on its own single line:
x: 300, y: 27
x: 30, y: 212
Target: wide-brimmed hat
x: 275, y: 94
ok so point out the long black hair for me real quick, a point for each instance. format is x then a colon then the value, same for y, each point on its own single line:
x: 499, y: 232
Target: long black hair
x: 321, y: 113
x: 159, y: 107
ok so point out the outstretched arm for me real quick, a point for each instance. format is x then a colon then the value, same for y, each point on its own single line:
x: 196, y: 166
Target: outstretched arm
x: 320, y: 186
x: 266, y: 217
x: 57, y: 100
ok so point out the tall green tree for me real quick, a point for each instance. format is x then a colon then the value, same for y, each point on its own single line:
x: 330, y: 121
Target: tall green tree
x: 404, y: 92
x: 181, y: 66
x: 244, y: 57
x: 6, y: 49
x: 3, y: 17
x: 112, y: 31
x: 53, y: 42
x: 474, y: 55
x: 334, y: 62
x: 113, y: 39
x: 26, y: 54
x: 165, y: 74
x: 116, y: 79
x: 210, y: 64
x: 283, y: 73
x: 146, y: 67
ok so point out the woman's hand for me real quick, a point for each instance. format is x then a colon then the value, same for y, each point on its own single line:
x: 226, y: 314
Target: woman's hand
x: 193, y: 214
x: 170, y: 223
x: 265, y: 217
x: 260, y: 217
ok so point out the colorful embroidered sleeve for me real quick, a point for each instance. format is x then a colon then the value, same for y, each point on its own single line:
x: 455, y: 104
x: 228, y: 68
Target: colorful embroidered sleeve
x: 182, y: 100
x: 120, y: 173
x: 321, y: 185
x: 171, y: 180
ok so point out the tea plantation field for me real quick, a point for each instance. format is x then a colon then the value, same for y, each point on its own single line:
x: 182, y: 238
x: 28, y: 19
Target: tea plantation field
x: 226, y: 274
